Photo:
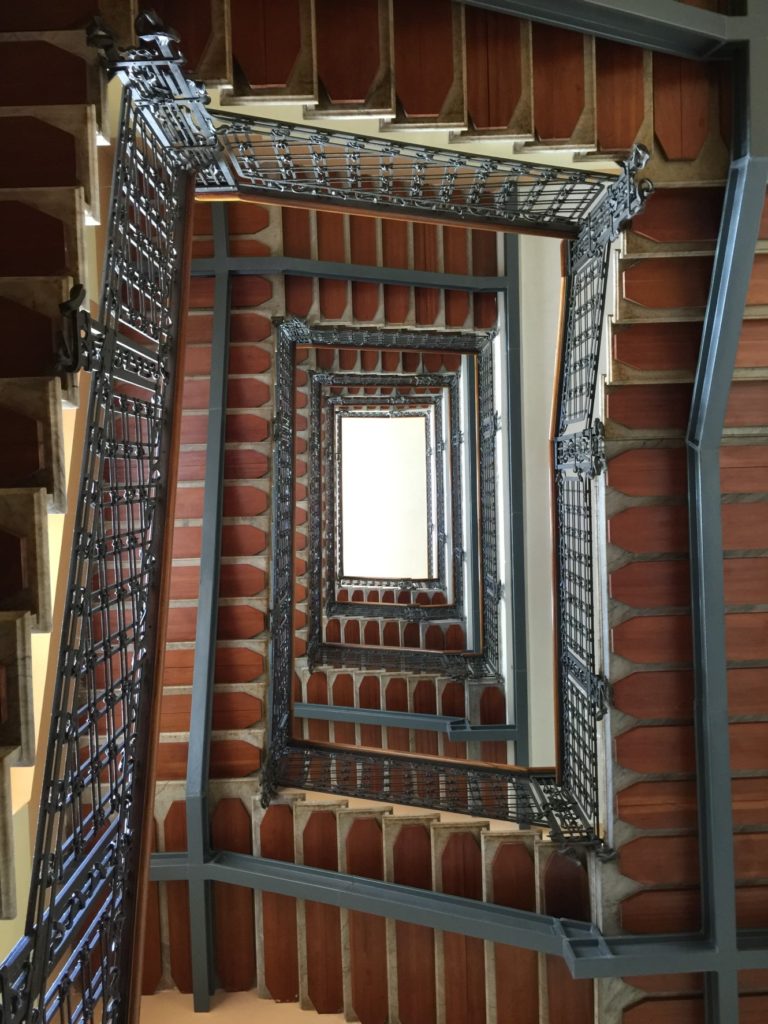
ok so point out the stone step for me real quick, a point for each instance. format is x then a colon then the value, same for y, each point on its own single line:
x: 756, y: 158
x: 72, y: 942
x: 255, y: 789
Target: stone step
x: 66, y: 134
x: 49, y: 68
x: 17, y: 723
x: 31, y: 325
x: 205, y: 34
x: 490, y: 75
x: 25, y: 585
x: 563, y: 890
x: 334, y: 961
x: 30, y: 412
x: 55, y: 220
x: 45, y: 16
x: 661, y: 409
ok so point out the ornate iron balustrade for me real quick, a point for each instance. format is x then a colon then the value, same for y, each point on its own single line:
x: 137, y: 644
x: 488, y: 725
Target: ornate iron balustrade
x: 74, y: 961
x: 421, y: 782
x: 484, y: 663
x: 323, y: 537
x: 399, y: 401
x: 290, y: 161
x: 401, y: 406
x: 570, y: 803
x: 579, y: 458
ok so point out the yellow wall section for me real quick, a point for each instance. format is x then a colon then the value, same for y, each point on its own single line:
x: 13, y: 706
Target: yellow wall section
x: 232, y: 1008
x: 12, y: 929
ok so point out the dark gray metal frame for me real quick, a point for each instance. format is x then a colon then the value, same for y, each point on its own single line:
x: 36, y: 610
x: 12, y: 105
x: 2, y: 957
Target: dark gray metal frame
x: 452, y: 587
x: 434, y: 575
x: 74, y: 961
x: 430, y: 409
x: 458, y: 730
x: 483, y: 664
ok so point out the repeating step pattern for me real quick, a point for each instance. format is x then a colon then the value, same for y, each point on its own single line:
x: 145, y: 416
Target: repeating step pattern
x: 665, y: 271
x: 371, y: 969
x: 238, y: 708
x: 52, y: 113
x: 471, y: 72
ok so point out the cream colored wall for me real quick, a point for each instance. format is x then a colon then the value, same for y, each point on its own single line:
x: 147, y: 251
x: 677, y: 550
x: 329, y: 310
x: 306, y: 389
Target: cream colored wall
x: 22, y: 777
x: 12, y: 928
x: 44, y: 658
x: 540, y: 324
x: 172, y: 1007
x: 25, y: 781
x: 384, y: 497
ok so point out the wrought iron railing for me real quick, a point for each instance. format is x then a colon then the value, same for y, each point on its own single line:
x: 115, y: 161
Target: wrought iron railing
x: 423, y: 782
x: 297, y: 162
x: 322, y: 484
x: 73, y: 963
x: 578, y: 460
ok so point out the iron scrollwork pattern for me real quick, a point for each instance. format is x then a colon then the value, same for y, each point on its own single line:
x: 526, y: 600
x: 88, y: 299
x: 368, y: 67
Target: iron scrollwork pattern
x: 529, y: 798
x: 402, y: 403
x: 74, y: 960
x: 265, y: 157
x: 281, y: 582
x: 583, y: 453
x: 579, y: 458
x: 485, y: 663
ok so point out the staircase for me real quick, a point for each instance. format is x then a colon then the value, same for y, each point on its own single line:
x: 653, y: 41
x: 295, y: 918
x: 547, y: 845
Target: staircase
x: 473, y: 74
x: 52, y: 114
x: 495, y: 77
x: 335, y: 961
x: 487, y: 77
x: 665, y: 274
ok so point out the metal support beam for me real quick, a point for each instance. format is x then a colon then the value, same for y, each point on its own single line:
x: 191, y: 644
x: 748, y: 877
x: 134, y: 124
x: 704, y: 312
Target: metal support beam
x: 734, y: 257
x: 662, y: 25
x: 300, y: 267
x: 198, y: 841
x: 588, y: 953
x: 753, y: 109
x: 373, y: 896
x: 457, y: 729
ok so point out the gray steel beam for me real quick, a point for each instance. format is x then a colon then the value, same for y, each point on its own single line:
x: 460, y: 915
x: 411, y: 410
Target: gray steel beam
x: 515, y: 523
x: 373, y: 896
x: 663, y: 25
x: 753, y: 107
x: 374, y: 716
x: 301, y: 267
x: 587, y: 952
x: 734, y: 256
x: 198, y: 841
x: 457, y: 729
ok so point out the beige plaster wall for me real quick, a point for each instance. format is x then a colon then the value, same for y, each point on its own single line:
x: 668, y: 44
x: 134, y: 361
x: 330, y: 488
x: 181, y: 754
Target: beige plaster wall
x: 540, y: 324
x: 172, y: 1007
